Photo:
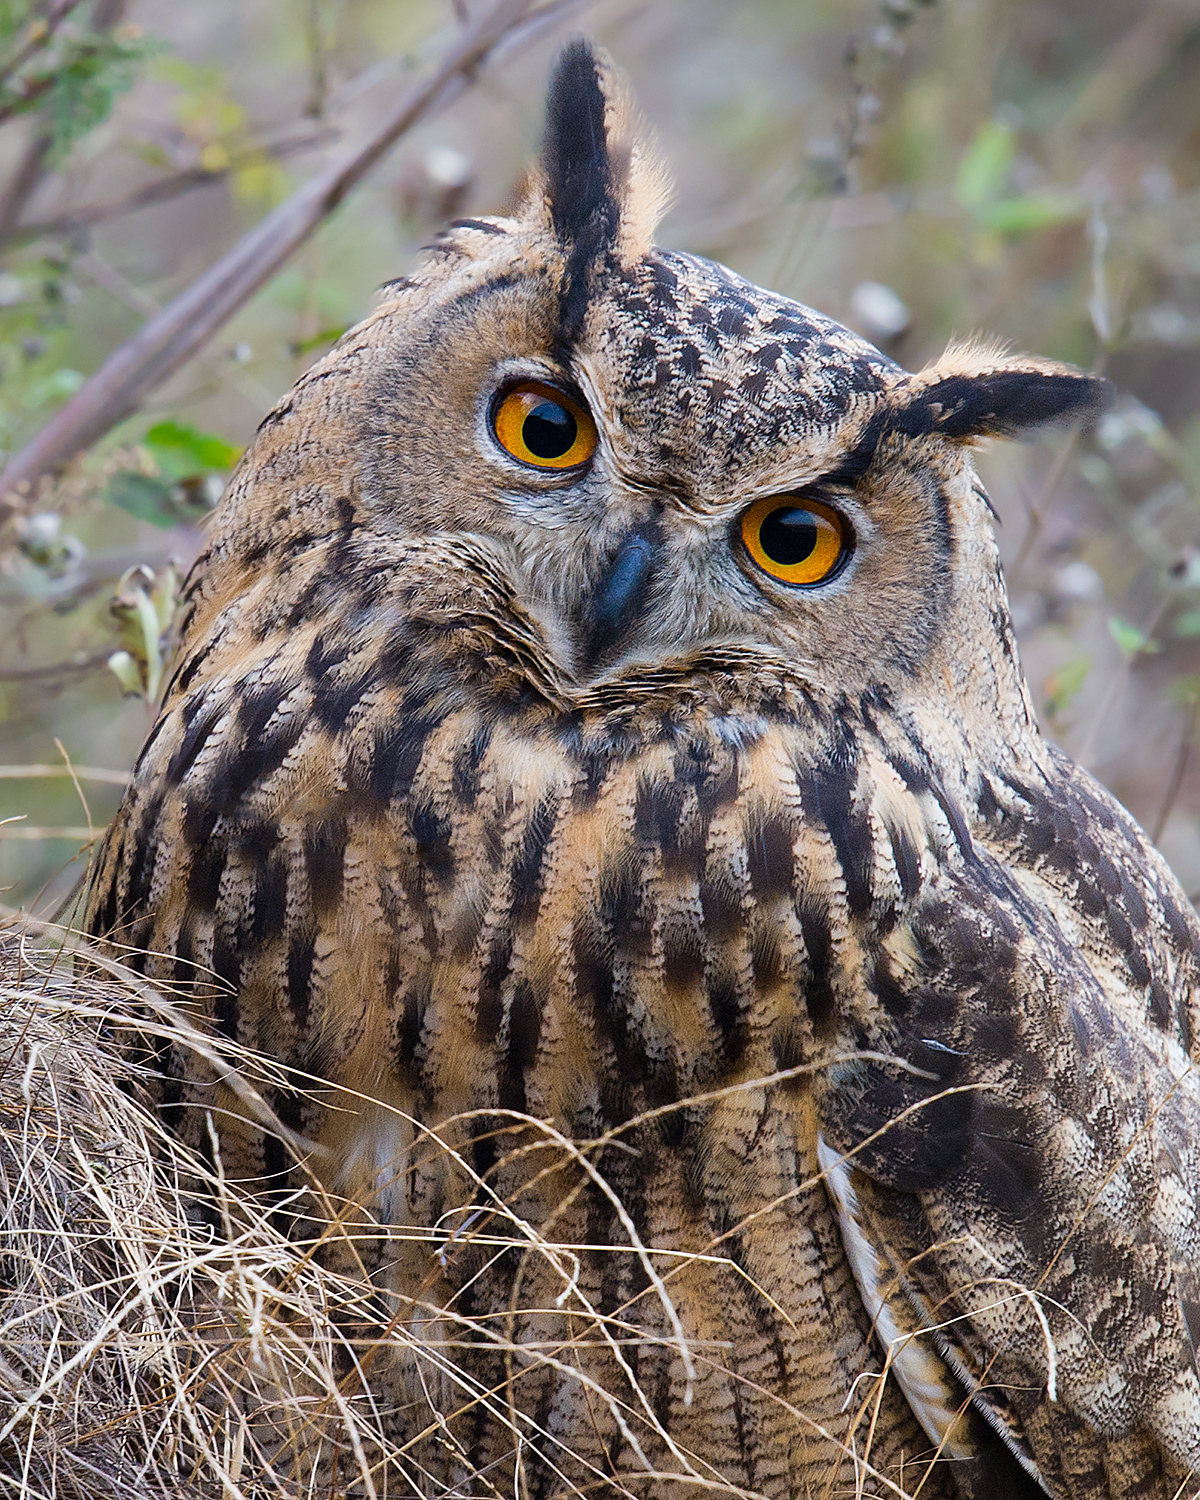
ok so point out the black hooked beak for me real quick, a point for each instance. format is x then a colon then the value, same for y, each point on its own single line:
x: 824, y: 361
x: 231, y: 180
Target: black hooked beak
x: 621, y: 592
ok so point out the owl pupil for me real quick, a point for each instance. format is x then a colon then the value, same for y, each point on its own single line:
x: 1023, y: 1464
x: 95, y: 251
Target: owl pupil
x: 549, y: 430
x: 789, y: 535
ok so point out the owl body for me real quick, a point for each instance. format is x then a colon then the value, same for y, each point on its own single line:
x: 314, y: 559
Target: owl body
x: 736, y: 943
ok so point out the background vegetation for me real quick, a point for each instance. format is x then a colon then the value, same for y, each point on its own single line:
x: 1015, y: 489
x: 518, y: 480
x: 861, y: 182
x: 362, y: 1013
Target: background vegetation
x: 915, y: 167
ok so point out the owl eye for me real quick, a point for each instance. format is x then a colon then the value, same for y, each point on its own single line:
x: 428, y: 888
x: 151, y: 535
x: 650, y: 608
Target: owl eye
x: 794, y: 539
x: 543, y: 427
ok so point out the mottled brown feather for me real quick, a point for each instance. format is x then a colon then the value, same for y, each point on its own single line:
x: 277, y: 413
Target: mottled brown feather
x: 400, y: 827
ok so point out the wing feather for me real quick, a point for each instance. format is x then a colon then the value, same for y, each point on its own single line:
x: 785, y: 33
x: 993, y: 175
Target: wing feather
x: 1023, y: 1196
x: 945, y: 1396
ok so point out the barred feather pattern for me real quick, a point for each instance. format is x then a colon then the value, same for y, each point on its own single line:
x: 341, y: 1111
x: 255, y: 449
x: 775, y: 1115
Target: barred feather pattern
x: 453, y: 907
x: 754, y: 950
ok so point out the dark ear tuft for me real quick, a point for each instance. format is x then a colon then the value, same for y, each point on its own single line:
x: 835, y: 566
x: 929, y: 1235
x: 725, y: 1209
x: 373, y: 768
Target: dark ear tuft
x: 974, y: 391
x: 601, y: 190
x: 998, y: 405
x: 579, y: 170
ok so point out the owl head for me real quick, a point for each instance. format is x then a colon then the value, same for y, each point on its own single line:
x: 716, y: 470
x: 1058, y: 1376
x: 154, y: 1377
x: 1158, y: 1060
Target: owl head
x: 580, y: 468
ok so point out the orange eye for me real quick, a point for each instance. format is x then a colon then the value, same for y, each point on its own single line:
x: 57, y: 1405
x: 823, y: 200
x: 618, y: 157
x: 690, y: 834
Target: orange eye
x: 794, y: 539
x: 543, y: 427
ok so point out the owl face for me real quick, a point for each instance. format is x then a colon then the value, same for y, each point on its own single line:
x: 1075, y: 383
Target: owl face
x: 657, y: 464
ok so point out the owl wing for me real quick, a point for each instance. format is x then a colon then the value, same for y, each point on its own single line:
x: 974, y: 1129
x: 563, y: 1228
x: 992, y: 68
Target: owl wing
x: 1017, y: 1191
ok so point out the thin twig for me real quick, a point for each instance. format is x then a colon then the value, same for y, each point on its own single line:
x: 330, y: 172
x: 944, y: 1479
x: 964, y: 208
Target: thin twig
x: 78, y: 664
x: 162, y: 190
x: 79, y: 792
x: 81, y: 773
x: 169, y: 340
x: 36, y: 832
x: 318, y: 89
x: 23, y: 183
x: 31, y: 169
x: 1116, y: 687
x: 110, y: 280
x: 1178, y: 773
x: 39, y: 36
x: 1038, y: 510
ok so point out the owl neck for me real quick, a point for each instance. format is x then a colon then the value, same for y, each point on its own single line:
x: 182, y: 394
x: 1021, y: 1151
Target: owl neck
x: 969, y: 708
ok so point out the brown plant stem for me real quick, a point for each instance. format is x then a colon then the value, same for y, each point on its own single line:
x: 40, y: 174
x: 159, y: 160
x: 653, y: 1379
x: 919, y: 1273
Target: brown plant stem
x: 1116, y: 686
x: 77, y: 666
x: 168, y: 340
x: 161, y: 190
x: 31, y: 168
x: 1178, y: 772
x: 36, y: 89
x: 23, y: 183
x: 39, y: 37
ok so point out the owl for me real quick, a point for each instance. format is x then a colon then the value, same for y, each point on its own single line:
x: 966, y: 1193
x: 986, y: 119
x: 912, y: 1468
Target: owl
x: 598, y: 771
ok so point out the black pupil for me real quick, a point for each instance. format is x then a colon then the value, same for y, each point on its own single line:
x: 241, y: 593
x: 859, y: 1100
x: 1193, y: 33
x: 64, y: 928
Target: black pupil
x: 789, y: 535
x: 549, y: 430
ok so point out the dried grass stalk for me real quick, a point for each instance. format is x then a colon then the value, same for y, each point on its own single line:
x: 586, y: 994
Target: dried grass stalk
x: 162, y: 1336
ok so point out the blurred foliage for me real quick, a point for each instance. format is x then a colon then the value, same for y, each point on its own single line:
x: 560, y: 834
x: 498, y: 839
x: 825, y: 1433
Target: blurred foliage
x: 60, y: 62
x: 178, y: 479
x: 917, y: 168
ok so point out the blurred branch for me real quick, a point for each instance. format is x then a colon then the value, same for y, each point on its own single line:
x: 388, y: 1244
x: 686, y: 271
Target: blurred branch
x: 159, y: 191
x: 171, y: 338
x: 318, y: 88
x: 40, y: 33
x: 76, y: 666
x: 31, y: 168
x: 24, y: 182
x: 1178, y: 772
x: 1037, y: 510
x: 33, y: 91
x: 107, y: 277
x: 10, y: 828
x: 81, y: 773
x: 1117, y: 684
x: 1133, y: 62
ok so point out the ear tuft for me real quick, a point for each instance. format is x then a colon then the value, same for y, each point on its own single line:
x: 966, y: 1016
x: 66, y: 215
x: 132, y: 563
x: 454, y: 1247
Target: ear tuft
x: 600, y: 182
x: 977, y: 390
x: 580, y: 184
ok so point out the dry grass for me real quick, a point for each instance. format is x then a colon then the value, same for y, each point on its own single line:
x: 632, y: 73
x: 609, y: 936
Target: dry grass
x: 137, y: 1347
x: 160, y: 1336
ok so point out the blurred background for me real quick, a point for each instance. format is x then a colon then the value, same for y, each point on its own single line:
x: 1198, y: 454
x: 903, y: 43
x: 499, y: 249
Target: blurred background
x: 916, y: 168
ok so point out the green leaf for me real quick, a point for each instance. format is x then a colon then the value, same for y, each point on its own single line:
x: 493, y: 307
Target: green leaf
x: 984, y: 168
x: 146, y: 498
x: 85, y: 77
x: 128, y: 674
x: 1035, y: 211
x: 326, y: 336
x: 1130, y: 639
x: 162, y: 501
x: 1187, y: 624
x: 1064, y: 682
x: 182, y: 450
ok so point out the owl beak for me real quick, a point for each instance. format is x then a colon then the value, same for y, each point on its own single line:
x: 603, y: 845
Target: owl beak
x: 621, y: 590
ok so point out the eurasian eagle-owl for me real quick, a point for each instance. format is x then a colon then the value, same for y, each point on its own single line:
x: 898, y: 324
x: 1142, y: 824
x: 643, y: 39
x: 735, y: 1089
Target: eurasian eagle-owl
x: 597, y: 704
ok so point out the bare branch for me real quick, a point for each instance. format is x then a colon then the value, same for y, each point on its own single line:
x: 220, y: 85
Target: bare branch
x: 169, y: 340
x: 11, y: 828
x: 24, y: 182
x: 1178, y: 772
x: 159, y: 191
x: 77, y: 667
x: 33, y: 91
